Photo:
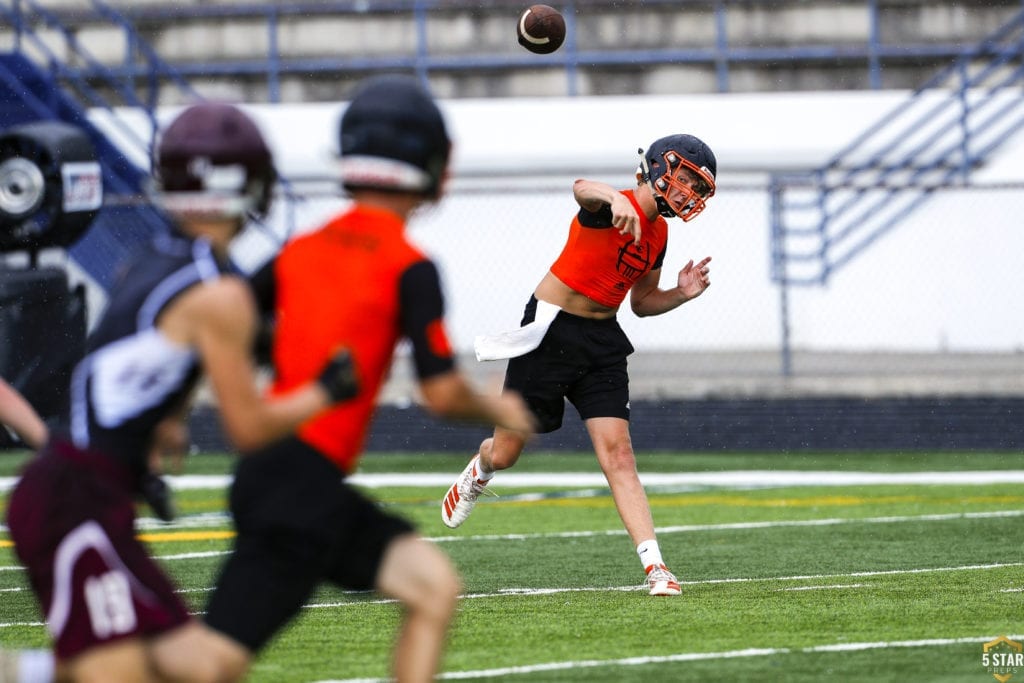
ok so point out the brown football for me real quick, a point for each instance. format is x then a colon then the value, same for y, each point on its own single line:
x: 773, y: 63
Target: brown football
x: 541, y: 29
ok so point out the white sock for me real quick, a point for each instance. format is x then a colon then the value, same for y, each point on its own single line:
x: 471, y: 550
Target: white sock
x: 649, y: 553
x: 480, y: 473
x: 36, y: 666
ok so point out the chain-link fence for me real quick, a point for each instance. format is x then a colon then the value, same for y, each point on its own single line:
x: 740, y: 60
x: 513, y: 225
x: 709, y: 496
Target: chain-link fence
x: 933, y: 307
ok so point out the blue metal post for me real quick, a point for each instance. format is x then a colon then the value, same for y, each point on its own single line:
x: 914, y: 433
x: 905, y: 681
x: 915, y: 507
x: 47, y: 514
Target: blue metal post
x: 721, y: 47
x: 129, y: 57
x: 874, y: 46
x: 775, y: 192
x: 422, y: 52
x: 17, y: 25
x: 965, y: 129
x: 274, y: 65
x: 572, y: 60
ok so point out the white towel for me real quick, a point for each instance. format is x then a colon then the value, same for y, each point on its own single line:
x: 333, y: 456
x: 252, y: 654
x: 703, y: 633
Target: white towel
x: 519, y: 341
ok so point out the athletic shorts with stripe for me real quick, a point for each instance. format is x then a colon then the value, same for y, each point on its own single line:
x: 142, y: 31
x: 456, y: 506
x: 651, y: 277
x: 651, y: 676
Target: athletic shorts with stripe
x: 298, y: 524
x: 580, y: 359
x: 72, y: 519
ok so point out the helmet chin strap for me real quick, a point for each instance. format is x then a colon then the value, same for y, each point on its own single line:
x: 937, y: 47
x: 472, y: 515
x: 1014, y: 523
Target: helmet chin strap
x: 663, y: 208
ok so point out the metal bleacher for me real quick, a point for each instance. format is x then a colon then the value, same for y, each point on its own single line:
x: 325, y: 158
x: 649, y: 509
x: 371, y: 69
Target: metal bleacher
x: 824, y: 217
x: 30, y: 92
x: 313, y: 49
x: 821, y: 218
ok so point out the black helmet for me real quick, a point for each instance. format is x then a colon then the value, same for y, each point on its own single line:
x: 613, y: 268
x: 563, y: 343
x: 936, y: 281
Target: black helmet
x: 212, y: 159
x: 393, y: 137
x: 661, y: 163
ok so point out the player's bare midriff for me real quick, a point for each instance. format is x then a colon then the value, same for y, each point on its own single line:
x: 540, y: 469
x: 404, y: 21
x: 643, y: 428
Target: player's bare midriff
x: 556, y: 292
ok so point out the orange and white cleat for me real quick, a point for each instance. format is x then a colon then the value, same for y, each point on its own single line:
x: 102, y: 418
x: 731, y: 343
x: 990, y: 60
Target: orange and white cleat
x: 458, y: 502
x: 662, y: 581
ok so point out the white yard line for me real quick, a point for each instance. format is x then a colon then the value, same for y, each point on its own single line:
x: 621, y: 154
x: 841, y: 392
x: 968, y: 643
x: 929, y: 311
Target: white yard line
x: 687, y: 528
x: 836, y: 586
x: 530, y: 592
x: 689, y: 657
x: 732, y: 479
x: 205, y: 521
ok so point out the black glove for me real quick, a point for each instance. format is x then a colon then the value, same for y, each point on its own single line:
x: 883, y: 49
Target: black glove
x: 157, y: 494
x: 339, y: 377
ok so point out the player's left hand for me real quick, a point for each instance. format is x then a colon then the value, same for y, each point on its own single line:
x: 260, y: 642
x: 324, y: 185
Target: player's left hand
x: 695, y: 278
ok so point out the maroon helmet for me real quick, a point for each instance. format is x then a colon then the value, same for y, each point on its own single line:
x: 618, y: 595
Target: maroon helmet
x: 213, y: 160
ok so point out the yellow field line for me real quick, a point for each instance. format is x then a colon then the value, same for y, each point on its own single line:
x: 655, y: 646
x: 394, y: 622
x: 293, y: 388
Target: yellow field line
x: 655, y: 501
x: 170, y: 537
x: 186, y: 536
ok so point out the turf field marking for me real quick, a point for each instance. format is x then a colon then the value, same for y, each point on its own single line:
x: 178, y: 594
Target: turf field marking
x: 595, y: 589
x: 832, y: 521
x: 688, y: 657
x: 226, y: 534
x: 531, y: 592
x: 22, y: 623
x: 193, y: 556
x: 731, y: 479
x: 662, y: 497
x: 167, y: 537
x: 838, y: 586
x: 687, y: 528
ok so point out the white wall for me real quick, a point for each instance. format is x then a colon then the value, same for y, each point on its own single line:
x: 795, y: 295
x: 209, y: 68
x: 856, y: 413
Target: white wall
x: 949, y: 278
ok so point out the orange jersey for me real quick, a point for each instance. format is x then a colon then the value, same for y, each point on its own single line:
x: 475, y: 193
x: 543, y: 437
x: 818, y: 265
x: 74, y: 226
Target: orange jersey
x: 601, y: 264
x: 355, y: 283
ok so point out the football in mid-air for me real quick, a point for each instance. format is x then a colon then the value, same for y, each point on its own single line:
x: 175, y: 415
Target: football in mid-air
x: 541, y: 29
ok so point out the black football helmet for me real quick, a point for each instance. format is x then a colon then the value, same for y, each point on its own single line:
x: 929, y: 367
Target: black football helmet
x: 660, y: 168
x: 392, y: 137
x: 213, y: 160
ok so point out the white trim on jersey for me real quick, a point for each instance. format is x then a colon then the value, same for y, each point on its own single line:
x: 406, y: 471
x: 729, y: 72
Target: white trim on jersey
x: 133, y: 374
x: 203, y: 268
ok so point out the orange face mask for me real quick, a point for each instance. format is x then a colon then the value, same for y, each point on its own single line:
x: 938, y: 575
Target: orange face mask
x: 684, y: 188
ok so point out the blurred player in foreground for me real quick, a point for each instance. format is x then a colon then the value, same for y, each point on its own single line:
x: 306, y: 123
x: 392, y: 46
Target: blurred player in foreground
x: 19, y: 415
x: 355, y: 282
x: 570, y: 345
x: 176, y: 312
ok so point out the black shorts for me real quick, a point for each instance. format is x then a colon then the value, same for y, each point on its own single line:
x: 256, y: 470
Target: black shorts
x: 580, y: 359
x: 298, y: 524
